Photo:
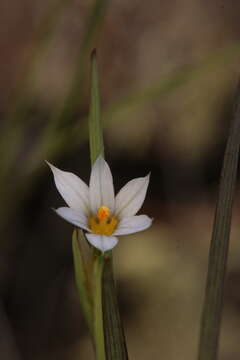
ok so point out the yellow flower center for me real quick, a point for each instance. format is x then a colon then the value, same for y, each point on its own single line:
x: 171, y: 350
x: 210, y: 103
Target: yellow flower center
x: 103, y: 223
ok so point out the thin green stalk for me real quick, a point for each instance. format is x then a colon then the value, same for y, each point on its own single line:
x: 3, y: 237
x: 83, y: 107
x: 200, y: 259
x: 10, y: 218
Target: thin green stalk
x: 108, y: 313
x: 96, y: 149
x: 213, y: 302
x: 113, y: 330
x: 98, y: 318
x: 95, y: 128
x: 82, y: 277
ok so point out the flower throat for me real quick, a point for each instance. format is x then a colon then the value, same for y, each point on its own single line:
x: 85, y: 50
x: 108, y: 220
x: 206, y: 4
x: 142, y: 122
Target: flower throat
x: 103, y: 223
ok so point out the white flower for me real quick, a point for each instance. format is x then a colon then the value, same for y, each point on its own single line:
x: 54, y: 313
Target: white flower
x: 96, y: 209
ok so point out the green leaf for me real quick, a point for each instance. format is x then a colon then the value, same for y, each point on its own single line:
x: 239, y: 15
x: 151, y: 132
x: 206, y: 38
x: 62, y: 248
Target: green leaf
x: 113, y: 330
x: 82, y: 266
x: 95, y: 128
x: 109, y: 335
x: 98, y: 317
x: 217, y: 262
x: 96, y: 148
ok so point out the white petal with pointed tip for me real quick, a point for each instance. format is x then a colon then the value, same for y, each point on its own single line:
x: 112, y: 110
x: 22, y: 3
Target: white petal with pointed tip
x: 130, y: 198
x: 133, y: 224
x: 75, y: 217
x: 73, y: 190
x: 102, y: 242
x: 101, y: 186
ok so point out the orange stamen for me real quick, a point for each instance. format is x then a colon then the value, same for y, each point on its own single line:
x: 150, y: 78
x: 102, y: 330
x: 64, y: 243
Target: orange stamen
x: 103, y: 213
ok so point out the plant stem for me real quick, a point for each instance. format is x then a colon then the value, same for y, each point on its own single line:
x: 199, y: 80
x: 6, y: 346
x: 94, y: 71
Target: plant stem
x: 109, y: 335
x: 98, y: 315
x: 96, y: 149
x: 213, y: 302
x: 95, y: 126
x: 114, y: 335
x: 82, y: 277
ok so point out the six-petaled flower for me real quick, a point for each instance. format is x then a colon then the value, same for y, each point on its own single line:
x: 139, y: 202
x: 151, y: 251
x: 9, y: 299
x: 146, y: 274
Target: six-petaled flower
x: 96, y: 210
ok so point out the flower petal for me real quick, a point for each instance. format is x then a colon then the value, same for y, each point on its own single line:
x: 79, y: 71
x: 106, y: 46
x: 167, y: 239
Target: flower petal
x: 73, y: 190
x: 73, y: 216
x: 132, y: 224
x: 101, y: 186
x: 130, y: 198
x: 102, y: 242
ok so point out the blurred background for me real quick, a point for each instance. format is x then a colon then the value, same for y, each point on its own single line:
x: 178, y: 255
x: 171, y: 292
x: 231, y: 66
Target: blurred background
x: 168, y: 74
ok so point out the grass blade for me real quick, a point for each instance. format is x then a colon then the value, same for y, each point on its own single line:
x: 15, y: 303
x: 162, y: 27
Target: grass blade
x: 95, y: 130
x: 114, y: 341
x: 82, y: 277
x: 98, y: 313
x: 113, y: 330
x: 96, y: 149
x: 213, y: 302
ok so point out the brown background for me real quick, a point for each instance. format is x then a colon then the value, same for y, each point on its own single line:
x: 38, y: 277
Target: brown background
x: 168, y: 72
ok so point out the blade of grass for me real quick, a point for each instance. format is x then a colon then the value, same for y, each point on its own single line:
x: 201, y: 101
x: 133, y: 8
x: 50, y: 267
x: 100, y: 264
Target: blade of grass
x: 115, y: 342
x: 96, y: 149
x: 98, y: 317
x: 95, y: 131
x: 82, y: 271
x: 115, y: 345
x: 217, y: 261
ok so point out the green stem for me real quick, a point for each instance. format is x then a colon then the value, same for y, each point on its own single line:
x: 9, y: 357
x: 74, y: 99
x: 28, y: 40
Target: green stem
x: 109, y: 335
x: 114, y: 335
x: 95, y: 126
x: 98, y: 315
x: 96, y: 149
x: 217, y: 265
x: 82, y: 277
